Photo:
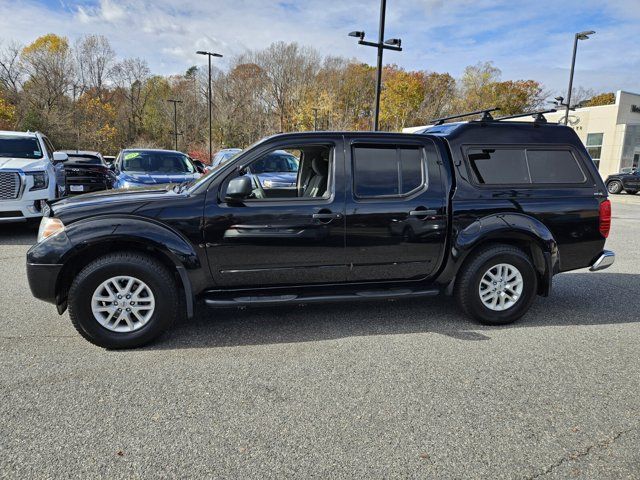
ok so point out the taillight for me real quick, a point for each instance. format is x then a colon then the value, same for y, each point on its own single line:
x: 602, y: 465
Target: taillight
x: 605, y: 218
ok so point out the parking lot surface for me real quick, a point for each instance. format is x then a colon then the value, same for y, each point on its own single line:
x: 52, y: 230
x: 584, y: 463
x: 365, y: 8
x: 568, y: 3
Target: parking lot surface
x: 382, y: 389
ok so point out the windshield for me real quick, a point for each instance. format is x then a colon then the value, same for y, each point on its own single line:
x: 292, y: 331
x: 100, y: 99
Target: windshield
x: 156, y: 162
x: 19, y: 147
x: 275, y: 162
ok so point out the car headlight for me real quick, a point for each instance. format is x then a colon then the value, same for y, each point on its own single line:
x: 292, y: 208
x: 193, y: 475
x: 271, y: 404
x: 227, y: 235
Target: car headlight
x: 49, y: 226
x: 267, y: 184
x: 40, y: 180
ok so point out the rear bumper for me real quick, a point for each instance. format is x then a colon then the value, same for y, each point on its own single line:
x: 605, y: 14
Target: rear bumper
x: 604, y: 260
x: 42, y: 280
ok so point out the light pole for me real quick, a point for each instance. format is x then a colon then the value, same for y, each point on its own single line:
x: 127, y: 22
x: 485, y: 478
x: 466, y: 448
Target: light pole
x: 381, y: 45
x: 209, y: 55
x: 175, y: 118
x: 579, y: 36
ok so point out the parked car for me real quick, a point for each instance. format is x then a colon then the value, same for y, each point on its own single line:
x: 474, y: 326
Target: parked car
x: 501, y: 207
x: 144, y: 167
x: 224, y: 155
x: 624, y: 182
x: 31, y: 173
x: 277, y: 172
x: 86, y: 172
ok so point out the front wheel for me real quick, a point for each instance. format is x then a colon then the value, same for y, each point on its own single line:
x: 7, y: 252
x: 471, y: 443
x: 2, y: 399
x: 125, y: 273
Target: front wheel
x: 123, y: 300
x: 614, y: 187
x: 498, y: 286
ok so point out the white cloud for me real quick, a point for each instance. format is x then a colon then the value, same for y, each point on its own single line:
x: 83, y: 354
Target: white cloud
x: 525, y: 39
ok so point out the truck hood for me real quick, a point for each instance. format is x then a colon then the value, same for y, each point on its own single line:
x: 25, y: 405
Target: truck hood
x: 22, y: 163
x: 106, y: 202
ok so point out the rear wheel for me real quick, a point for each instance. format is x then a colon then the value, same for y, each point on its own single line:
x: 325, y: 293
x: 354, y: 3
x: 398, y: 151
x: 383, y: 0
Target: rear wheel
x: 632, y: 192
x: 498, y: 285
x: 123, y: 300
x: 614, y: 187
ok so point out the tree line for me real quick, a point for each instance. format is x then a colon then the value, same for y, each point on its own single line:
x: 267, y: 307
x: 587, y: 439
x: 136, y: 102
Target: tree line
x: 82, y: 96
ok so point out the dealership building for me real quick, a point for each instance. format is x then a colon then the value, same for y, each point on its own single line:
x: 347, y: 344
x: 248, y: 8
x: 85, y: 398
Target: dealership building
x: 611, y: 133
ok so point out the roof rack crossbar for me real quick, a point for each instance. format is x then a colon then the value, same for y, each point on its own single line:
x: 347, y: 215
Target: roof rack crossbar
x: 486, y: 116
x: 538, y: 116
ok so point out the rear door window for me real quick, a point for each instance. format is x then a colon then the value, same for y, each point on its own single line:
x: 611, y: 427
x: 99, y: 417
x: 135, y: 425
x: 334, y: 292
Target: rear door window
x: 387, y: 170
x: 522, y: 166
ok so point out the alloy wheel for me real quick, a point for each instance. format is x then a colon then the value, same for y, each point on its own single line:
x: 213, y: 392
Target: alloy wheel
x: 501, y: 287
x: 123, y: 304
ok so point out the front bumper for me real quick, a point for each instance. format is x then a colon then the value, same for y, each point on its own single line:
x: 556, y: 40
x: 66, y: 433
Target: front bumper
x: 20, y: 210
x: 42, y: 280
x: 604, y: 260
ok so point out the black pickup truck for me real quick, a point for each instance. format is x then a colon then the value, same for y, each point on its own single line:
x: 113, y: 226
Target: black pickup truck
x: 485, y: 210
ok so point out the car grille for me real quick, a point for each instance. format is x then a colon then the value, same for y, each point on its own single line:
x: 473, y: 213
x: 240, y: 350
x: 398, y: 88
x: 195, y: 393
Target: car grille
x: 9, y: 185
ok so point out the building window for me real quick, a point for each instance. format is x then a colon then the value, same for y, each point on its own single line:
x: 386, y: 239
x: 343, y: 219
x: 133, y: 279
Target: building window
x: 594, y: 147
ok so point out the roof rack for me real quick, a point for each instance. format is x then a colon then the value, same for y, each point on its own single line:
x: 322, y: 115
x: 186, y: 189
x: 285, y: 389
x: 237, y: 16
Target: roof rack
x: 538, y: 116
x: 486, y: 116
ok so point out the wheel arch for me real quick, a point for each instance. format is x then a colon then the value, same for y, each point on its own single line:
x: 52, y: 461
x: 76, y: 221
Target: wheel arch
x: 94, y: 238
x: 522, y: 231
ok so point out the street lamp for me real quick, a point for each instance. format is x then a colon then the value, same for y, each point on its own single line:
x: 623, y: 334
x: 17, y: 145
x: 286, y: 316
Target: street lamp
x: 175, y: 118
x: 579, y: 36
x: 381, y: 45
x: 209, y: 55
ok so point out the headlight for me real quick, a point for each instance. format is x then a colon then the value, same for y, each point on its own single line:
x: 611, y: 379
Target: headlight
x: 40, y: 180
x: 49, y: 226
x: 267, y: 184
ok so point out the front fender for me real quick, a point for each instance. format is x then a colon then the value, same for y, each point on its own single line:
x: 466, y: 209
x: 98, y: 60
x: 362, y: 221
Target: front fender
x: 507, y: 228
x: 131, y: 228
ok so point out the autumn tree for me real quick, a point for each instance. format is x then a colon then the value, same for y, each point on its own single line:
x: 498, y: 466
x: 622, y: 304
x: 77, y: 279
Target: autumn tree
x: 95, y: 59
x: 401, y: 97
x: 608, y: 98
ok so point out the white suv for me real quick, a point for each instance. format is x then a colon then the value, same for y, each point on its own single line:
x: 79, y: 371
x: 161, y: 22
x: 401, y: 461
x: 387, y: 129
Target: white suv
x: 30, y: 174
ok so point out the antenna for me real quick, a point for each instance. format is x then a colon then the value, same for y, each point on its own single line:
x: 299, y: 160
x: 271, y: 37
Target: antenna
x: 486, y: 116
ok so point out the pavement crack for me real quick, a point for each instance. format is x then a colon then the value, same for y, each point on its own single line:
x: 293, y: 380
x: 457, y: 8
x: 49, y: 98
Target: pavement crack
x: 577, y: 454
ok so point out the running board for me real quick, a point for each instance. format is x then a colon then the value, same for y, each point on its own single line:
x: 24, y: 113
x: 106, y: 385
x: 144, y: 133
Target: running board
x: 264, y: 300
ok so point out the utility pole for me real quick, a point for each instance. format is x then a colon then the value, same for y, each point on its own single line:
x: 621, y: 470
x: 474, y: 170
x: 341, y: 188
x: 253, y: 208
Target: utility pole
x: 175, y: 118
x: 209, y: 55
x: 578, y: 36
x: 381, y: 45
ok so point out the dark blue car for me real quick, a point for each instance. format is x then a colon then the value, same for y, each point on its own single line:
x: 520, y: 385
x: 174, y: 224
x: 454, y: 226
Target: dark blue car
x: 143, y: 167
x: 276, y: 171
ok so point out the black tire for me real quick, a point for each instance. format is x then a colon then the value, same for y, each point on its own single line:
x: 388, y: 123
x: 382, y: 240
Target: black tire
x: 159, y: 280
x: 632, y: 192
x: 468, y: 284
x: 614, y: 187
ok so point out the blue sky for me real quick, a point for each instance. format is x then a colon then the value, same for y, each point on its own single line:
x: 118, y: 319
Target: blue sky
x: 525, y: 39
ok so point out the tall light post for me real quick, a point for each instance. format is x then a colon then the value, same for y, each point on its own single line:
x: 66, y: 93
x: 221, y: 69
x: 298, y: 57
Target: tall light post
x: 175, y: 118
x: 381, y: 45
x: 209, y: 55
x: 579, y: 36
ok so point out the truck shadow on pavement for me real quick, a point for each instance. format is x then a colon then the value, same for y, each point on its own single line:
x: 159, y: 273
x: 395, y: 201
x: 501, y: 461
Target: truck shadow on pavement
x: 18, y: 233
x: 578, y: 299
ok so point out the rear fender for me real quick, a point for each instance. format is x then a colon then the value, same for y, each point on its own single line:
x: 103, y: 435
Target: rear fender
x: 509, y: 228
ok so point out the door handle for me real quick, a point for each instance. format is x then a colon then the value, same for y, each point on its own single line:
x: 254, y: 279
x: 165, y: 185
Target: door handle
x: 326, y: 216
x: 421, y: 212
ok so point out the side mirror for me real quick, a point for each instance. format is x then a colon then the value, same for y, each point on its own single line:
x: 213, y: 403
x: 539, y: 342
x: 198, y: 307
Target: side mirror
x: 238, y: 189
x: 200, y: 167
x: 60, y: 157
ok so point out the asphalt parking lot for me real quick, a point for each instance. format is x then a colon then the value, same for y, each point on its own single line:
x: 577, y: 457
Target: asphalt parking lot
x: 402, y: 389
